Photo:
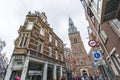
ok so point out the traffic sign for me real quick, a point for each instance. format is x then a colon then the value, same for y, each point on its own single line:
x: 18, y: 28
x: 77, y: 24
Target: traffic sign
x: 92, y: 43
x: 97, y: 55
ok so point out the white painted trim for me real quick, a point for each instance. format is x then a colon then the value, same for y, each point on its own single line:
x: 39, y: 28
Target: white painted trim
x: 112, y: 51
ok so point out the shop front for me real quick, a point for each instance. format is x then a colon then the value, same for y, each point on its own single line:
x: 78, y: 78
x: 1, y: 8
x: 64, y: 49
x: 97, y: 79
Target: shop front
x: 35, y: 71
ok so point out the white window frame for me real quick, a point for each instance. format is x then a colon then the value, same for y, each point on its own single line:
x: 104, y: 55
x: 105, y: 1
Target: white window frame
x: 29, y: 25
x: 40, y: 42
x: 115, y: 24
x: 114, y: 68
x: 56, y: 54
x: 113, y: 64
x: 56, y: 43
x: 42, y: 31
x: 50, y: 38
x: 103, y: 35
x: 23, y: 40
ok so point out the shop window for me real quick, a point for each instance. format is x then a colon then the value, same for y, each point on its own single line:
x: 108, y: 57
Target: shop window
x: 19, y: 63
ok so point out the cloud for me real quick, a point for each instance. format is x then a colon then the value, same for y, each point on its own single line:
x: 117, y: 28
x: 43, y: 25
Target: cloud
x: 13, y: 14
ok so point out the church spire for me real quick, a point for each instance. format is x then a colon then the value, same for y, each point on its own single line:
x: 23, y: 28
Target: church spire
x: 72, y: 28
x: 70, y: 22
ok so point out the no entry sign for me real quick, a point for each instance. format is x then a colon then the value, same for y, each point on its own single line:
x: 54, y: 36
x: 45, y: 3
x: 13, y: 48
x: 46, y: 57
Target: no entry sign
x: 92, y: 43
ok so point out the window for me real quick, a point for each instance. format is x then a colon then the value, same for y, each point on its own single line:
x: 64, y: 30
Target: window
x: 56, y: 53
x: 116, y: 26
x: 93, y: 19
x: 19, y: 63
x: 103, y: 35
x: 89, y: 30
x: 29, y: 25
x: 23, y: 40
x: 50, y: 51
x: 81, y: 61
x: 61, y: 57
x: 50, y: 38
x: 75, y: 40
x: 39, y: 46
x: 56, y: 43
x: 42, y: 31
x: 115, y: 61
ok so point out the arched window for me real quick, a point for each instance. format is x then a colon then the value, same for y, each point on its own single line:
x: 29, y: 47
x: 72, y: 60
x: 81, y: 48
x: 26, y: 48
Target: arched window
x: 84, y: 72
x: 75, y: 40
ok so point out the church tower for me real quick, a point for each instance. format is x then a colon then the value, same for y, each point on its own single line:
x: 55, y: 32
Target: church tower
x: 80, y: 56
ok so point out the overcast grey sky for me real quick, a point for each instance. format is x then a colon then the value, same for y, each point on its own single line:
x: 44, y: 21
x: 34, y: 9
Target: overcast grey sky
x: 13, y: 13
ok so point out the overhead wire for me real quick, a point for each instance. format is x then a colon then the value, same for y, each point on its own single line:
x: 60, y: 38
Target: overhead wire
x: 24, y: 5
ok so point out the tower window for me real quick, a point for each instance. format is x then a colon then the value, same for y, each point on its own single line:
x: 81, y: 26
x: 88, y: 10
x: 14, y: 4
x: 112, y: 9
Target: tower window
x: 75, y: 40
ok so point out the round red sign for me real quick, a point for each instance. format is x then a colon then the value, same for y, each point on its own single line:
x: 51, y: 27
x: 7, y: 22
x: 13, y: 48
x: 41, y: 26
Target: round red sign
x: 92, y: 43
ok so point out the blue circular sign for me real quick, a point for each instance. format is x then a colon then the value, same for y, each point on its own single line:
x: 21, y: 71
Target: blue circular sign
x: 97, y: 55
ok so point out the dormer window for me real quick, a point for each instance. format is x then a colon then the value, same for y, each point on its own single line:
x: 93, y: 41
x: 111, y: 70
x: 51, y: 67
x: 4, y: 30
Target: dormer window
x: 29, y: 25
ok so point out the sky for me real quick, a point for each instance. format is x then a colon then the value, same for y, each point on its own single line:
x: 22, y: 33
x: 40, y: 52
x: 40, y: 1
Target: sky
x: 13, y: 13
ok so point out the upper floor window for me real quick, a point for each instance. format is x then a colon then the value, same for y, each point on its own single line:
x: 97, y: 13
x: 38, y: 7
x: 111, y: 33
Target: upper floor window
x: 40, y: 46
x: 61, y: 57
x: 81, y: 61
x: 116, y: 26
x: 56, y: 54
x: 115, y: 60
x: 23, y: 40
x: 42, y: 31
x: 56, y: 43
x: 29, y: 25
x: 50, y: 38
x: 89, y: 30
x: 103, y: 35
x: 50, y: 51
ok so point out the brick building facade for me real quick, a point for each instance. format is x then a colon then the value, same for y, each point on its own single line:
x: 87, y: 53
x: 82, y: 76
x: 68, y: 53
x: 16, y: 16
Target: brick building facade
x: 104, y: 27
x: 81, y: 61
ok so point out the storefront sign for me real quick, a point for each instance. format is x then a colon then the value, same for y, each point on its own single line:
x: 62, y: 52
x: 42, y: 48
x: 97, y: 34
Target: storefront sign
x: 34, y: 72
